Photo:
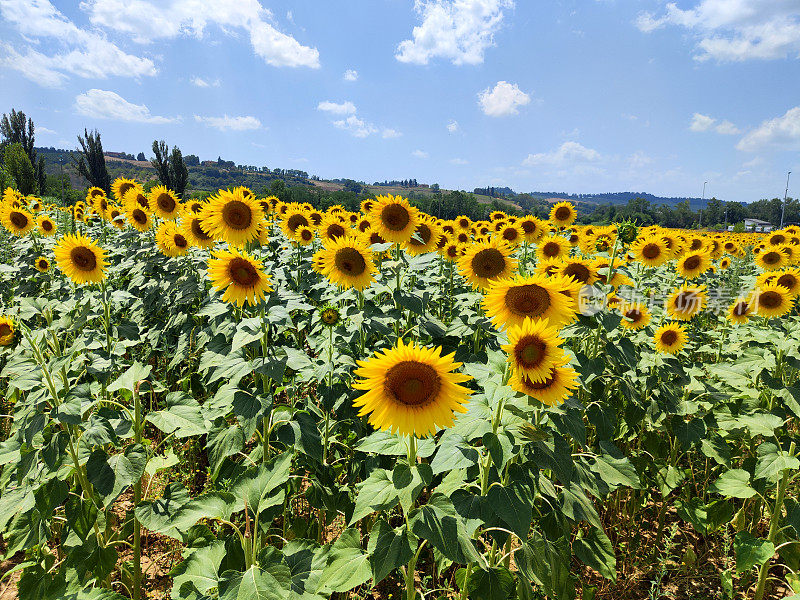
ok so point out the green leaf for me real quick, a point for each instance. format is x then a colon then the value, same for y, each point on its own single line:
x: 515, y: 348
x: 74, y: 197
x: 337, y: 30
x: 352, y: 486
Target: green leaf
x: 111, y: 475
x: 578, y: 507
x: 439, y: 524
x: 222, y: 442
x: 495, y: 583
x: 616, y: 472
x: 81, y: 515
x: 513, y: 504
x: 751, y: 551
x: 253, y: 584
x: 137, y: 372
x: 182, y: 416
x: 389, y: 549
x: 546, y: 564
x: 382, y: 442
x: 158, y: 515
x: 257, y: 483
x: 409, y: 481
x: 200, y: 569
x: 733, y: 484
x: 376, y: 492
x: 772, y: 462
x: 213, y: 505
x: 596, y: 551
x: 348, y: 566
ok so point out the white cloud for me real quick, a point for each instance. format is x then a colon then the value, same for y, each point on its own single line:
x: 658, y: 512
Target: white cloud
x: 341, y: 108
x: 735, y: 30
x: 203, y: 83
x: 356, y: 127
x: 780, y: 132
x: 639, y: 159
x: 226, y: 123
x: 85, y: 53
x: 569, y: 153
x: 389, y: 133
x: 146, y: 21
x: 104, y: 104
x: 452, y: 126
x: 456, y: 30
x: 420, y: 154
x: 702, y: 123
x: 44, y: 131
x: 502, y: 100
x: 350, y: 75
x: 458, y: 161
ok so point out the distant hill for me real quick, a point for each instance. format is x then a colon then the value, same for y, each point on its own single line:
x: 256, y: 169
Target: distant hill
x: 618, y: 198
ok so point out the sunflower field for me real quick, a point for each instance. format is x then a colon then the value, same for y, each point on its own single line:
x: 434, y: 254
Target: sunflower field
x: 243, y: 399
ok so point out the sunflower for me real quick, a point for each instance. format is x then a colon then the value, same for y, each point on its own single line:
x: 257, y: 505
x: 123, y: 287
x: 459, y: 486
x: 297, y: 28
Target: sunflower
x: 394, y: 218
x: 534, y: 348
x: 452, y: 251
x: 100, y: 206
x: 771, y: 259
x: 635, y: 315
x: 332, y: 228
x: 366, y: 206
x: 693, y: 264
x: 788, y: 278
x: 121, y: 187
x: 510, y: 301
x: 233, y: 217
x: 579, y: 269
x: 304, y: 235
x: 670, y: 338
x: 193, y: 207
x: 484, y: 262
x: 772, y: 300
x: 552, y: 246
x: 42, y: 264
x: 532, y: 228
x: 512, y: 234
x: 138, y: 217
x: 686, y: 301
x: 240, y: 275
x: 17, y: 220
x: 115, y: 215
x: 740, y: 311
x: 563, y: 214
x: 164, y: 203
x: 171, y: 240
x: 136, y: 198
x: 411, y: 389
x: 81, y: 259
x: 425, y: 238
x: 329, y: 315
x: 7, y: 331
x: 348, y: 262
x: 651, y: 251
x: 93, y: 192
x: 552, y: 390
x: 47, y: 226
x: 724, y: 263
x: 497, y: 215
x: 295, y: 217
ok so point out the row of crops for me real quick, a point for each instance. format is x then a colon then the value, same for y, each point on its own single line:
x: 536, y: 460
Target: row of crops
x: 243, y: 398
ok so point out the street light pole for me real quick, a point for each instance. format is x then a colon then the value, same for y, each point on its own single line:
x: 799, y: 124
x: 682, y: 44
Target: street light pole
x: 700, y: 223
x: 61, y: 177
x: 785, y: 193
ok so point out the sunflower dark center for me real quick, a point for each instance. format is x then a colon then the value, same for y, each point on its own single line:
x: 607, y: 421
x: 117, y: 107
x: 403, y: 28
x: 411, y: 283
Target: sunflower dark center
x: 770, y: 299
x: 5, y: 329
x: 307, y: 235
x: 237, y: 215
x: 141, y: 200
x: 578, y: 271
x: 696, y: 244
x: 334, y: 231
x: 412, y: 383
x: 651, y: 251
x: 395, y: 217
x: 363, y: 225
x: 787, y: 280
x: 669, y: 337
x: 96, y: 193
x: 463, y: 223
x: 180, y: 241
x: 511, y: 234
x: 47, y: 225
x: 375, y: 238
x: 463, y: 238
x: 242, y: 272
x: 166, y: 203
x: 425, y: 233
x: 83, y: 258
x: 295, y: 221
x: 20, y: 220
x: 563, y: 213
x: 198, y: 232
x: 528, y: 226
x: 551, y: 249
x: 777, y: 239
x: 350, y: 261
x: 686, y: 301
x: 488, y: 263
x: 741, y: 309
x: 452, y: 251
x: 542, y: 385
x: 43, y: 264
x: 528, y: 300
x: 529, y: 351
x: 692, y: 262
x: 770, y: 258
x: 139, y: 216
x: 125, y: 188
x: 634, y: 314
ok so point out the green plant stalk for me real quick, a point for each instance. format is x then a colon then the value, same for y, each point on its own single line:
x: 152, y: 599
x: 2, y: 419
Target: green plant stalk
x: 137, y: 498
x: 327, y: 433
x: 774, y: 523
x: 408, y: 573
x: 467, y: 573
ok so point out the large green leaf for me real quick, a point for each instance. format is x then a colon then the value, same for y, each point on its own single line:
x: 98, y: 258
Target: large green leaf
x: 595, y: 550
x: 513, y: 504
x: 348, y: 565
x: 256, y: 484
x: 110, y: 475
x: 136, y: 372
x: 409, y: 481
x: 734, y: 484
x: 773, y: 461
x: 495, y: 583
x: 547, y: 565
x: 389, y: 548
x: 439, y: 524
x: 199, y: 570
x: 751, y: 551
x: 376, y: 492
x: 182, y: 417
x: 253, y: 584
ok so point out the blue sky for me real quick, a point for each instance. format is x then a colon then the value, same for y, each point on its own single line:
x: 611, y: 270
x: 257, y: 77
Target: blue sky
x: 572, y: 95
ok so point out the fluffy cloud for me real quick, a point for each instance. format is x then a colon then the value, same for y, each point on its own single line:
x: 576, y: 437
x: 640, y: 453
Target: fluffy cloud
x: 780, y: 132
x: 86, y: 53
x: 341, y: 108
x: 458, y: 161
x: 568, y: 153
x: 420, y: 154
x: 356, y: 127
x: 735, y: 30
x: 226, y: 123
x: 702, y: 123
x: 456, y: 30
x: 146, y: 21
x: 389, y: 133
x: 203, y: 83
x: 452, y: 126
x: 502, y: 100
x: 350, y: 75
x: 104, y: 104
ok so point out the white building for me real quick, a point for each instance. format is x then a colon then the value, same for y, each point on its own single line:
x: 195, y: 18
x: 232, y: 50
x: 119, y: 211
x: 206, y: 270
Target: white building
x: 758, y: 225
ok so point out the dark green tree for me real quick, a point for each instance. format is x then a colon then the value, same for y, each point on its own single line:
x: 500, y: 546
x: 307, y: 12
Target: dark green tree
x: 141, y: 156
x: 19, y: 166
x: 17, y: 129
x: 91, y: 163
x: 171, y: 168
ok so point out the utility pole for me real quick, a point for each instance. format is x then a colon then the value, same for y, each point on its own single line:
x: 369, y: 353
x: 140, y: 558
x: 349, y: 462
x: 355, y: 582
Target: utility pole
x: 700, y: 223
x: 785, y: 193
x: 61, y: 178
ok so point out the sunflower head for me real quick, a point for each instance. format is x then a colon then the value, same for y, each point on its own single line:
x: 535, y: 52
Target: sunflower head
x: 233, y: 217
x: 411, y: 389
x: 670, y: 338
x: 686, y: 301
x: 534, y: 348
x: 552, y: 246
x: 81, y: 259
x: 509, y: 302
x: 740, y: 311
x: 8, y: 331
x: 329, y: 315
x: 651, y: 251
x: 553, y: 389
x: 304, y: 235
x: 240, y: 275
x: 488, y: 261
x: 47, y: 226
x: 164, y: 203
x: 635, y: 316
x: 42, y: 264
x: 563, y: 214
x: 348, y: 262
x: 425, y: 238
x: 693, y: 264
x: 772, y: 300
x: 17, y: 220
x: 121, y: 187
x: 395, y: 219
